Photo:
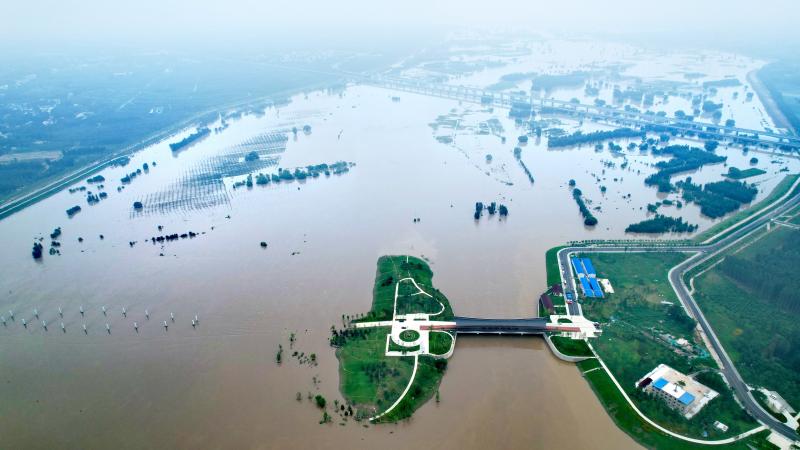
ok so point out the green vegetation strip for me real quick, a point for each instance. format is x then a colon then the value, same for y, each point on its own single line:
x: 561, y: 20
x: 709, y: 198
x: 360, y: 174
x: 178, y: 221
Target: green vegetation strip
x: 551, y: 265
x: 553, y: 279
x: 588, y: 364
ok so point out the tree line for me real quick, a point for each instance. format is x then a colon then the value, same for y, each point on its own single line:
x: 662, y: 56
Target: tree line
x: 588, y: 218
x: 596, y: 136
x: 661, y: 224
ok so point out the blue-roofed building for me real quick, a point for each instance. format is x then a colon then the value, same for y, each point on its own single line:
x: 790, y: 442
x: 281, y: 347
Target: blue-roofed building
x: 587, y: 264
x: 660, y: 383
x: 595, y: 287
x: 578, y: 266
x: 587, y: 290
x: 680, y: 392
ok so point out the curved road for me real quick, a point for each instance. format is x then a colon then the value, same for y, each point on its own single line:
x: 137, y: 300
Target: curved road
x: 704, y: 253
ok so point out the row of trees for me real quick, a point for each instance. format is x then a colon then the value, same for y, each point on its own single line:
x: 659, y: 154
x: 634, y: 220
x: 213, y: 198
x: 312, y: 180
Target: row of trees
x: 596, y: 136
x: 588, y: 218
x: 661, y: 224
x: 491, y: 208
x: 188, y: 140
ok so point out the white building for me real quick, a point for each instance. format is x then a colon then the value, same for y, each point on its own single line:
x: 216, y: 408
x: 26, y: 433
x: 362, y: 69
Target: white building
x: 679, y: 391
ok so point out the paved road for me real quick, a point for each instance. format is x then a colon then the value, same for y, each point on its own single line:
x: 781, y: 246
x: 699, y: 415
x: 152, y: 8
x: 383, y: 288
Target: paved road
x: 703, y: 254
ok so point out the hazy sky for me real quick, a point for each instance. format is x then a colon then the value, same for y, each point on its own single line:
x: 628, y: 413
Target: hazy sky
x: 150, y: 22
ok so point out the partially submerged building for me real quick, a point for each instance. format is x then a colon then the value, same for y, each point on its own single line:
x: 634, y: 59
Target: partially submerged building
x: 547, y: 303
x: 679, y: 391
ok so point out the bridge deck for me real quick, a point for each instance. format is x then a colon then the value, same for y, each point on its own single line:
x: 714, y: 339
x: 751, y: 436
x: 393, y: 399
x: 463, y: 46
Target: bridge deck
x: 536, y: 325
x: 601, y: 113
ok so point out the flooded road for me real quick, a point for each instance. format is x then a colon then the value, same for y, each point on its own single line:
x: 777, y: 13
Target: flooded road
x: 218, y: 385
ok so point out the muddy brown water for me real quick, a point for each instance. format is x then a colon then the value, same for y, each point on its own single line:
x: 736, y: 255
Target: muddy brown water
x: 218, y: 385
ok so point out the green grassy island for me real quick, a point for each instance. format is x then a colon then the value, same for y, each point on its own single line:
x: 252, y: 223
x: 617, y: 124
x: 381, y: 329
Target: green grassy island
x: 391, y: 360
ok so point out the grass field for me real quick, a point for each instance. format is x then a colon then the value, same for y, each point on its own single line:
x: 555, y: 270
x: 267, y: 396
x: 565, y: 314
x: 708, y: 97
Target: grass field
x: 367, y: 378
x: 588, y: 364
x: 372, y: 381
x: 439, y: 342
x: 644, y: 433
x: 571, y: 347
x: 392, y: 269
x: 756, y: 318
x: 426, y: 382
x: 641, y: 323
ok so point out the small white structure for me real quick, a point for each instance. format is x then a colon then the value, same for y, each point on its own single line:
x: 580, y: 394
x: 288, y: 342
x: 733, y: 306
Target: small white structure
x: 720, y: 426
x: 607, y: 288
x: 680, y: 392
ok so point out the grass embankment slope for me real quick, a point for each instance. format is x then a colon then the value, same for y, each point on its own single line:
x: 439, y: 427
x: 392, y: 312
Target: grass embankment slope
x: 752, y: 299
x: 369, y: 379
x: 553, y: 278
x: 571, y: 347
x: 641, y: 323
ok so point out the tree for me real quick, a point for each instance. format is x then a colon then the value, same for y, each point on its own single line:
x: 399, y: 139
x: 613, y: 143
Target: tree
x: 572, y: 183
x: 711, y: 145
x: 478, y: 210
x: 754, y: 160
x: 320, y: 401
x: 37, y: 250
x: 137, y: 205
x: 503, y: 211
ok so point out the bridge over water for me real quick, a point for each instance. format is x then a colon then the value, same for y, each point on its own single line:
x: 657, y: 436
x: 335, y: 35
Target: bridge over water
x: 534, y: 325
x: 580, y: 110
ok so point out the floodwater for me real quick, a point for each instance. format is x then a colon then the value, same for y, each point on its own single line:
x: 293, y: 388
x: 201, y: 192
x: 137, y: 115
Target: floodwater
x: 217, y: 385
